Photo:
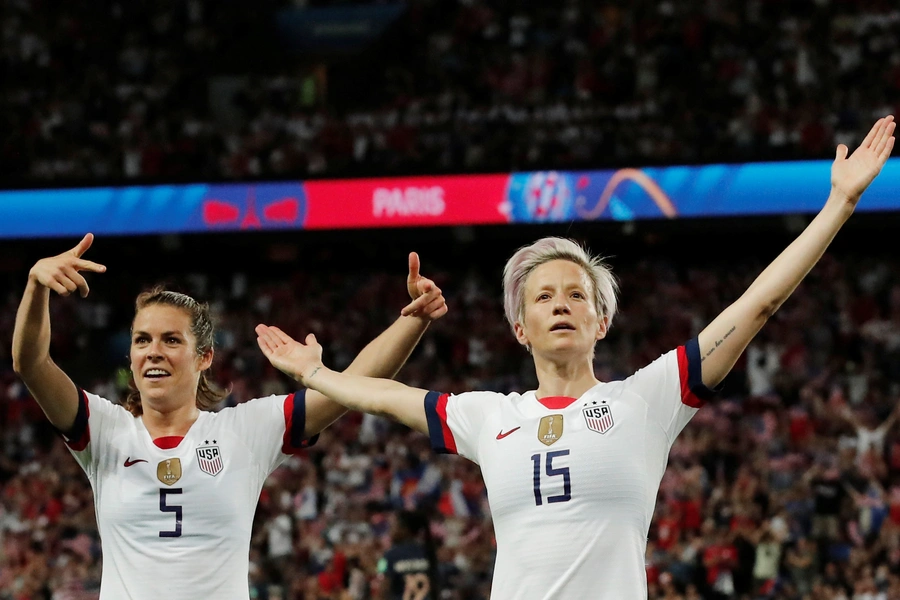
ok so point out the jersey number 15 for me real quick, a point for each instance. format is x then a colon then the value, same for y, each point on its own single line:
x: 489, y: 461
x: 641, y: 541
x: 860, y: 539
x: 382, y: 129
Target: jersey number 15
x: 548, y: 469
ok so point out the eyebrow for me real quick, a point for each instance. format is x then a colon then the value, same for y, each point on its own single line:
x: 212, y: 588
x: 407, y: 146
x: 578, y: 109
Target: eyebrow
x: 571, y: 286
x: 164, y: 333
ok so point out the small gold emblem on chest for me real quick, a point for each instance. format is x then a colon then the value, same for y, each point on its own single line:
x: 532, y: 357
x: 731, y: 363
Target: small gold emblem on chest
x: 550, y: 429
x: 169, y: 471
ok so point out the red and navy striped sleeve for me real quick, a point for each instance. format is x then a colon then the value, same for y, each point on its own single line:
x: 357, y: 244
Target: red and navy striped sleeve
x: 293, y: 441
x: 694, y: 392
x: 442, y: 440
x: 79, y: 435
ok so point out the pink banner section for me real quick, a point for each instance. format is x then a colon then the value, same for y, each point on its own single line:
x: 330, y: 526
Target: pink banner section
x: 407, y: 201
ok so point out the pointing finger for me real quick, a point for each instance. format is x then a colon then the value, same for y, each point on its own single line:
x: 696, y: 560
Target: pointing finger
x: 88, y: 265
x: 83, y: 245
x: 413, y: 267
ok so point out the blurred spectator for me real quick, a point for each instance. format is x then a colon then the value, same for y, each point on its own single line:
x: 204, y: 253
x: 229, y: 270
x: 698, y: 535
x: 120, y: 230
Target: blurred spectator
x: 198, y: 90
x: 769, y: 492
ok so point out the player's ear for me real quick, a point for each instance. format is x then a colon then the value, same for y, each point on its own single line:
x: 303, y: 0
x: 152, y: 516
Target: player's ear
x: 206, y: 359
x: 519, y: 330
x: 603, y: 328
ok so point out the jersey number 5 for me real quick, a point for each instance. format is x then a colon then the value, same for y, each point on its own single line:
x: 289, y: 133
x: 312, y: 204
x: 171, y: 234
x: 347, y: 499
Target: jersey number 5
x: 551, y: 472
x: 170, y: 508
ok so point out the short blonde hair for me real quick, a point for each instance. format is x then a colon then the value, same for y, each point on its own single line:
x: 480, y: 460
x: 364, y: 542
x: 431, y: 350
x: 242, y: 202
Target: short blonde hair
x: 528, y: 258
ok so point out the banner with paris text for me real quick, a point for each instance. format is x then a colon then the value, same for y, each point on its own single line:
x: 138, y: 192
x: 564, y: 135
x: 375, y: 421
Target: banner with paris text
x: 727, y: 190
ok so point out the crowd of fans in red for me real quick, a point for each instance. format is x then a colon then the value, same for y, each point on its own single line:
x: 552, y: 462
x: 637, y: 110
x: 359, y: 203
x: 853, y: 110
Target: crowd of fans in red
x: 786, y: 487
x: 201, y: 90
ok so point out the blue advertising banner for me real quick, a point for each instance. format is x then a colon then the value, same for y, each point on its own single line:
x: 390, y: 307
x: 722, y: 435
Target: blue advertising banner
x: 704, y: 191
x: 532, y: 197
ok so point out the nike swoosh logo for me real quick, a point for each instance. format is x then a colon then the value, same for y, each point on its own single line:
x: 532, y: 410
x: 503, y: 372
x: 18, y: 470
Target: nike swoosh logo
x: 502, y: 435
x: 129, y: 462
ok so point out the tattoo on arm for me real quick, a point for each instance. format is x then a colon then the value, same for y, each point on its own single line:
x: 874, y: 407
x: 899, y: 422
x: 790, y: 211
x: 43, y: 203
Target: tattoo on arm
x: 310, y: 376
x: 718, y: 343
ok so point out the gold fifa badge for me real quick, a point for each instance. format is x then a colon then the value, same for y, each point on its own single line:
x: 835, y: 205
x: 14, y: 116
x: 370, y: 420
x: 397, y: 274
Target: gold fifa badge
x: 550, y: 429
x: 169, y: 471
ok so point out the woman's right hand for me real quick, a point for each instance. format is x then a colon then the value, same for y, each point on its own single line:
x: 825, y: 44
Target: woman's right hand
x: 60, y: 273
x: 295, y: 359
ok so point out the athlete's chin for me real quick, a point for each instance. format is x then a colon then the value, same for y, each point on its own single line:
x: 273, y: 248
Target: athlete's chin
x: 155, y: 389
x: 567, y: 348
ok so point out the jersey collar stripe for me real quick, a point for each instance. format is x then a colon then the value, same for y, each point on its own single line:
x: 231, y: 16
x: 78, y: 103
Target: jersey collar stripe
x: 295, y: 424
x: 167, y: 442
x: 439, y: 433
x: 557, y: 402
x: 78, y: 437
x: 693, y: 392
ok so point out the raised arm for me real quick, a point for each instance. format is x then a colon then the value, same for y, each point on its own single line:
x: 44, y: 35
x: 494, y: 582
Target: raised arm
x: 50, y: 386
x: 723, y: 340
x: 303, y: 362
x: 385, y: 355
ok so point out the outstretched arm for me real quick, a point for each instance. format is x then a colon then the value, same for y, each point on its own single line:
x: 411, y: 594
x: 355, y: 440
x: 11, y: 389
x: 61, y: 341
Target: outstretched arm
x: 50, y: 386
x: 381, y: 397
x: 723, y: 340
x: 385, y: 355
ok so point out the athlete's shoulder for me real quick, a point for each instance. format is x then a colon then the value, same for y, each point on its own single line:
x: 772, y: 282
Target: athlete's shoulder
x: 99, y: 405
x: 490, y: 397
x: 265, y: 403
x: 658, y: 367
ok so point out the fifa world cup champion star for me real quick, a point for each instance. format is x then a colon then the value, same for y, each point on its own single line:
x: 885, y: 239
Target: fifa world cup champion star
x: 572, y: 469
x: 176, y: 485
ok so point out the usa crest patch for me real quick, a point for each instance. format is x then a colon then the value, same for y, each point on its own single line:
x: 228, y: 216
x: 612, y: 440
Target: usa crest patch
x: 598, y: 417
x: 209, y: 460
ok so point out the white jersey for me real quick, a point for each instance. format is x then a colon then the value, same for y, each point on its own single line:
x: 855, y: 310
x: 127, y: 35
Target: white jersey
x: 175, y: 520
x: 572, y: 482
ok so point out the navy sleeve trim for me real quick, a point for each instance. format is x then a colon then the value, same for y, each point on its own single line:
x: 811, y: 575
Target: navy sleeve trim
x: 442, y: 440
x: 78, y: 436
x: 295, y: 424
x: 695, y: 373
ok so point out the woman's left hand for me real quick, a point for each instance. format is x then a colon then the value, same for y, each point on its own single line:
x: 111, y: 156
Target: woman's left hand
x: 850, y: 176
x: 427, y: 299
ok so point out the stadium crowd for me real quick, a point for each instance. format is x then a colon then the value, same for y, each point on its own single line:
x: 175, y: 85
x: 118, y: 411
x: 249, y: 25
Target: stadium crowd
x: 785, y: 487
x: 141, y: 90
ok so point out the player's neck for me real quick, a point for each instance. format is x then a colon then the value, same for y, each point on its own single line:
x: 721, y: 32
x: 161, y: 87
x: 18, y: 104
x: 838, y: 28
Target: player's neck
x: 570, y: 379
x: 163, y: 421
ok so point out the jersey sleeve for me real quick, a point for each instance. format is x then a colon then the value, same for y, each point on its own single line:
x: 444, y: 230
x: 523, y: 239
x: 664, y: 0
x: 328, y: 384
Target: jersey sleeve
x: 273, y: 427
x: 673, y: 387
x: 95, y: 424
x: 455, y: 421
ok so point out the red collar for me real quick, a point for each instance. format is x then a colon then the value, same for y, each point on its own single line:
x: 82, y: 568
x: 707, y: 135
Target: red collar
x: 557, y: 402
x: 167, y: 442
